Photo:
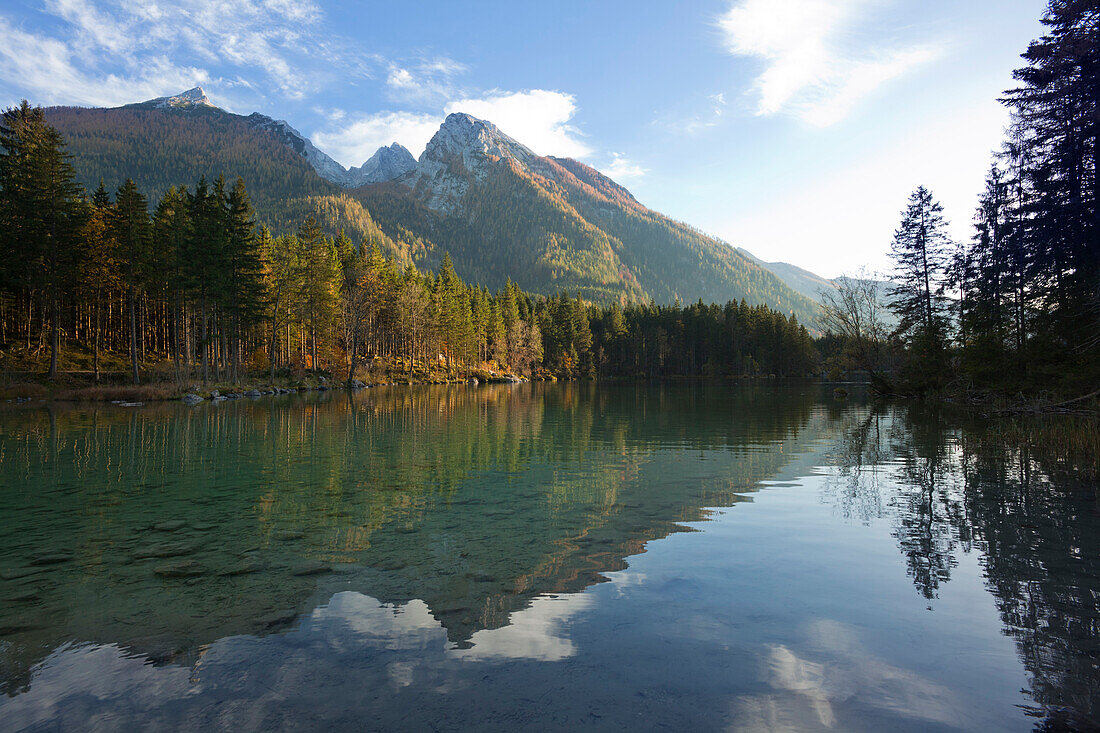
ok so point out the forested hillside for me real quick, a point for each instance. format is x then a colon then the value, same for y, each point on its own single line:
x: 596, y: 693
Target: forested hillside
x: 554, y: 223
x: 548, y: 224
x: 196, y: 287
x: 158, y: 148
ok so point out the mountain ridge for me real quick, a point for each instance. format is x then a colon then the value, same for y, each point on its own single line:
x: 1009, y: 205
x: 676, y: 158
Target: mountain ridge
x: 501, y: 211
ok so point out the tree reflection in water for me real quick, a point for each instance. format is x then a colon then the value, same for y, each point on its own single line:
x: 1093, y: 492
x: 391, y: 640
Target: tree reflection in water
x: 1036, y: 527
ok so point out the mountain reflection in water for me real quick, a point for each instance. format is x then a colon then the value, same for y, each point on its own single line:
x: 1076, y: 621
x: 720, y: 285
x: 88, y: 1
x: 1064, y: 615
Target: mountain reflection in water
x: 314, y: 561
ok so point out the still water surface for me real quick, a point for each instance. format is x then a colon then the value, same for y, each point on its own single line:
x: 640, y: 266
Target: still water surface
x: 570, y: 556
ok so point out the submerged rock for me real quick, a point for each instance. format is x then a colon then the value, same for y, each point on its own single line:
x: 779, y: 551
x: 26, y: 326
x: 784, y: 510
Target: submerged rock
x: 245, y: 568
x: 279, y: 618
x: 186, y: 569
x: 167, y: 550
x: 310, y: 568
x: 191, y: 399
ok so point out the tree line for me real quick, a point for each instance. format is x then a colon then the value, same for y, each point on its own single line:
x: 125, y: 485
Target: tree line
x: 1018, y: 306
x: 195, y: 286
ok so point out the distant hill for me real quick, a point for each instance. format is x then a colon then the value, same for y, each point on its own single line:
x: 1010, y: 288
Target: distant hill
x: 802, y: 281
x: 813, y: 286
x: 499, y: 209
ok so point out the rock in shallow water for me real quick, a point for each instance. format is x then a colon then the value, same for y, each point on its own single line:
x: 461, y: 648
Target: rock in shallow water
x: 167, y: 550
x: 186, y: 569
x: 311, y: 568
x: 245, y: 568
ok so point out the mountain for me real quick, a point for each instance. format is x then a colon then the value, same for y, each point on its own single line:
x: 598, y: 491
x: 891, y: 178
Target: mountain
x: 173, y: 141
x: 498, y: 208
x: 552, y: 224
x: 386, y: 164
x: 813, y: 286
x: 195, y: 97
x: 803, y: 281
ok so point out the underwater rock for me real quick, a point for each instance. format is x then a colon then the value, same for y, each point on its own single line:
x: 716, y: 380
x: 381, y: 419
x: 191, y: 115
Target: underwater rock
x: 312, y: 568
x: 186, y: 569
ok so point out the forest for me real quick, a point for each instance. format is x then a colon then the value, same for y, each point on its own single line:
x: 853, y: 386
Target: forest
x: 1016, y: 309
x: 194, y: 288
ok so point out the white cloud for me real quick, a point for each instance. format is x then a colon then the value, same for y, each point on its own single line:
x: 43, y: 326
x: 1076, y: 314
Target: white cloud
x: 622, y: 169
x: 357, y: 140
x: 50, y: 71
x: 538, y: 118
x: 103, y: 50
x: 813, y: 70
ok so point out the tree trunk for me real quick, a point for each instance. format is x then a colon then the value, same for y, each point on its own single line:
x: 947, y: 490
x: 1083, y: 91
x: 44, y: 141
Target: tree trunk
x: 96, y: 327
x: 274, y: 329
x: 55, y: 333
x: 205, y: 344
x: 133, y: 335
x: 354, y: 358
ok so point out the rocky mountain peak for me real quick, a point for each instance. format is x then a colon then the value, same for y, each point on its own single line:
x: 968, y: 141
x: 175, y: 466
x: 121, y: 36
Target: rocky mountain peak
x: 461, y: 152
x: 194, y: 97
x: 387, y: 163
x: 468, y: 136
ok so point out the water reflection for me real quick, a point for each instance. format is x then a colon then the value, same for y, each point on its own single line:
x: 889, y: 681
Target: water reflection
x: 194, y: 566
x: 165, y: 529
x: 1037, y: 531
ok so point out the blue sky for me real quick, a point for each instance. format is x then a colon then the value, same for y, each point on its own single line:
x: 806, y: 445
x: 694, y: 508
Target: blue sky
x: 793, y: 128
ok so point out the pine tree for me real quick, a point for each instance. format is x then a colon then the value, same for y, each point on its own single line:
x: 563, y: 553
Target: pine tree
x: 99, y: 270
x: 919, y: 251
x: 320, y: 272
x: 1056, y: 136
x: 41, y: 213
x: 244, y: 295
x: 171, y: 238
x: 131, y: 229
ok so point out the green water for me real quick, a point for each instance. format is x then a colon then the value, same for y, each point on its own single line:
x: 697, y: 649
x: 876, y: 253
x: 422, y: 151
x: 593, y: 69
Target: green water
x: 585, y: 555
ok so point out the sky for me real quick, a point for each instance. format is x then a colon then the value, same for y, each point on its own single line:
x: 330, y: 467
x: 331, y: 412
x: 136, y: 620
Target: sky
x: 793, y: 128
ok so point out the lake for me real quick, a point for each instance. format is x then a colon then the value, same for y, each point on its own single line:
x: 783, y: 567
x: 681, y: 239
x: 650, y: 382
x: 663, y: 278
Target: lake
x: 688, y: 556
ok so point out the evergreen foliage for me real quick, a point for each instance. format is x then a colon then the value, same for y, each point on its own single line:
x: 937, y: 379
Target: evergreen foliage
x: 1018, y: 307
x: 199, y: 288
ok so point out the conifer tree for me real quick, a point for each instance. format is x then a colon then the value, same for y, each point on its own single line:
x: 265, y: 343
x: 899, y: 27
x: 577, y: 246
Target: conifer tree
x: 131, y: 229
x: 320, y: 273
x: 244, y: 295
x: 99, y: 270
x: 919, y: 251
x: 41, y: 212
x: 171, y: 236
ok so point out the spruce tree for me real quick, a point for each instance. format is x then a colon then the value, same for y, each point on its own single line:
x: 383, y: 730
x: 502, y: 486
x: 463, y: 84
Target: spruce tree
x: 244, y: 295
x: 919, y: 252
x: 41, y: 213
x: 131, y: 229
